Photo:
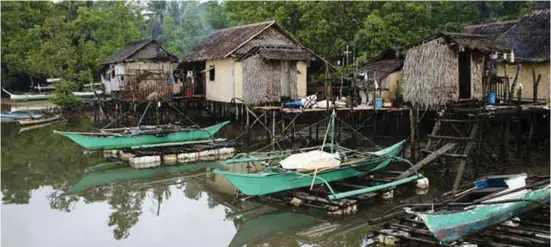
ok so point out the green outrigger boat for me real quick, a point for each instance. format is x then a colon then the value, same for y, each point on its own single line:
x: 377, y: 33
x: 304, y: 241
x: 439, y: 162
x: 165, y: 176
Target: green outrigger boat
x: 98, y: 178
x: 141, y: 136
x: 274, y: 178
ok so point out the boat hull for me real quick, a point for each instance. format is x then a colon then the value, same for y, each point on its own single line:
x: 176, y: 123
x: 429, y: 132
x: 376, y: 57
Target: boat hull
x: 254, y: 184
x: 27, y: 97
x: 119, y: 142
x: 454, y: 226
x: 19, y: 115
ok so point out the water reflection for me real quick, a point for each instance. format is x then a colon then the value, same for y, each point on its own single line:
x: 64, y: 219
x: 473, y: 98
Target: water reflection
x: 50, y: 197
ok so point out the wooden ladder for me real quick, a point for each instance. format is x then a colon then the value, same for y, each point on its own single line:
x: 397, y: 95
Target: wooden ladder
x: 457, y: 132
x: 454, y: 136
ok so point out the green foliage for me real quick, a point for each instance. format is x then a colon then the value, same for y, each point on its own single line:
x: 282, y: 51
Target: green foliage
x: 71, y: 39
x: 63, y: 95
x: 65, y: 39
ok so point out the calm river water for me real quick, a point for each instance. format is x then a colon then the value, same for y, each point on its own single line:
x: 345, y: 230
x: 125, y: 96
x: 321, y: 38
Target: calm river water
x: 50, y: 198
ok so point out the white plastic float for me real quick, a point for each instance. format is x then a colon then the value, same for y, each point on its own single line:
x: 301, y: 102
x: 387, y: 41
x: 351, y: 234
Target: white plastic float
x: 141, y: 162
x: 211, y: 154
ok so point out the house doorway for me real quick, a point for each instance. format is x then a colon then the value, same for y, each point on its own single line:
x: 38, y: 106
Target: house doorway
x: 465, y: 75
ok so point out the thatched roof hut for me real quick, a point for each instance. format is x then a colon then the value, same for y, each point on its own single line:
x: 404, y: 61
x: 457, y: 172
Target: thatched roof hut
x: 383, y: 69
x: 447, y: 67
x: 378, y: 68
x: 139, y: 69
x: 258, y: 63
x: 528, y: 36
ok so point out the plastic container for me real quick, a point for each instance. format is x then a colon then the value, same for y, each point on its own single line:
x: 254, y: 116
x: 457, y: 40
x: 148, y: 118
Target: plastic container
x: 491, y: 98
x: 378, y: 103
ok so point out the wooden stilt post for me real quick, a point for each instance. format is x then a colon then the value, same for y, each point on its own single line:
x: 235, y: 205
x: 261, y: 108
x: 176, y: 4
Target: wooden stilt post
x: 282, y: 122
x: 236, y: 113
x: 529, y: 144
x: 273, y: 128
x: 247, y: 117
x: 412, y: 140
x: 293, y: 133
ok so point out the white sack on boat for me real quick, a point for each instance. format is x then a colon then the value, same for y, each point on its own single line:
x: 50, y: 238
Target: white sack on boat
x: 311, y: 160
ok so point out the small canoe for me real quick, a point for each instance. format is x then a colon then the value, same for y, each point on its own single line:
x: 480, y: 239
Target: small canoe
x: 88, y: 94
x: 20, y: 115
x: 448, y: 226
x: 276, y: 180
x: 136, y: 138
x: 27, y: 122
x: 27, y: 97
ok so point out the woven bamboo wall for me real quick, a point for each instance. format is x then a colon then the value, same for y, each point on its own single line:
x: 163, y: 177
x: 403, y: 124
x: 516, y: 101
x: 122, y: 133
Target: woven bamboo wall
x: 431, y: 74
x: 262, y: 80
x: 143, y: 79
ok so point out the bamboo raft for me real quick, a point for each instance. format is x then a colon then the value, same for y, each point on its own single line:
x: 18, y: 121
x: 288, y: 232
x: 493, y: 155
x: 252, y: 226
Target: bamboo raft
x: 317, y: 197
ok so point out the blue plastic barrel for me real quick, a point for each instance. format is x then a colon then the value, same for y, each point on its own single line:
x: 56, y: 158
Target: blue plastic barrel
x: 491, y: 98
x: 378, y: 103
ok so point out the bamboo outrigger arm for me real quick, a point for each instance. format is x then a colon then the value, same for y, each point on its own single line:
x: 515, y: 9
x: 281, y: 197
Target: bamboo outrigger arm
x: 375, y: 188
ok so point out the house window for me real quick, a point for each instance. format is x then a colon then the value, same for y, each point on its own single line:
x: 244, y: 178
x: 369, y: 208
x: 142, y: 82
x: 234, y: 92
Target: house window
x: 211, y: 73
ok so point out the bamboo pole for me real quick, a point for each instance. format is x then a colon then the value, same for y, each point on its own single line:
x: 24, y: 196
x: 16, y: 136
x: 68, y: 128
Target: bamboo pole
x: 314, y: 179
x: 427, y: 160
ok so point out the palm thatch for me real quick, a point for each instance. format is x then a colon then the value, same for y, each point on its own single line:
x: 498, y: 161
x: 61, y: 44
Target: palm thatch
x: 527, y: 36
x: 431, y: 74
x: 141, y: 50
x: 278, y: 52
x: 236, y: 41
x: 221, y: 43
x: 261, y: 80
x: 491, y: 30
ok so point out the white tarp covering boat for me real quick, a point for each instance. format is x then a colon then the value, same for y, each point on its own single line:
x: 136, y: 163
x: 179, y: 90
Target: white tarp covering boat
x: 311, y: 160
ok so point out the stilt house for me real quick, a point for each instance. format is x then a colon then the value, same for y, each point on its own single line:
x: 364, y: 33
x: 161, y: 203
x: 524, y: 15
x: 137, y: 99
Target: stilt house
x: 258, y: 63
x: 139, y: 70
x: 448, y: 67
x: 529, y: 38
x: 386, y: 70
